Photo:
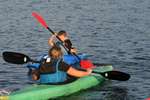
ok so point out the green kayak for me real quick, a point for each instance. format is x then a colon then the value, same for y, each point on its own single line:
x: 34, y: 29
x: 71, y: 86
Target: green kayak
x: 44, y: 92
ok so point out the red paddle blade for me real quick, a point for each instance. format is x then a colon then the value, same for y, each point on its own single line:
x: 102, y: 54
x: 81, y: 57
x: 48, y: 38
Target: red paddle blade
x: 85, y: 64
x: 40, y: 19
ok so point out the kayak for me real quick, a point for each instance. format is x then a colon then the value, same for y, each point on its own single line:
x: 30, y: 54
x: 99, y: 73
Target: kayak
x: 45, y: 92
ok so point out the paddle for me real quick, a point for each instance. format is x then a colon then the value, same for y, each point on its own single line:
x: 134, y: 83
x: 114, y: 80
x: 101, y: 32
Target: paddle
x: 83, y: 63
x: 19, y: 58
x: 114, y: 75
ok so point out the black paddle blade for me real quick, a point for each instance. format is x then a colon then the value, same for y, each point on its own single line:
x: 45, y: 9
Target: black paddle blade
x: 116, y: 75
x: 15, y: 58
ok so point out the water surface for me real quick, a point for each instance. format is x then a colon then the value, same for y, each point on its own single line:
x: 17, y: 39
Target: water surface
x: 110, y: 31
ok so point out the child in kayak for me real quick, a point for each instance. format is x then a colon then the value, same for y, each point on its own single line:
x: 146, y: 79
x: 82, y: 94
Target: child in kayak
x: 54, y: 70
x: 65, y: 44
x: 63, y: 36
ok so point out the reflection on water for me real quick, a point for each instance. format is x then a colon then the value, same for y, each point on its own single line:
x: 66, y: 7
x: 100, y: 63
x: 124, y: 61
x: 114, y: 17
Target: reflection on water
x: 118, y: 93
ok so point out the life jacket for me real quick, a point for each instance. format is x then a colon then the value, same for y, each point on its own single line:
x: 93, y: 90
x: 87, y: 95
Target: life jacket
x: 55, y: 76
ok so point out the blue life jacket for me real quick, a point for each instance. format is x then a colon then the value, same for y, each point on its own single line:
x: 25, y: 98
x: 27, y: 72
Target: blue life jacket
x: 72, y: 59
x: 56, y: 77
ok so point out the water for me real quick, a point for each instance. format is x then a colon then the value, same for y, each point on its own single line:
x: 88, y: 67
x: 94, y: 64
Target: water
x: 111, y: 31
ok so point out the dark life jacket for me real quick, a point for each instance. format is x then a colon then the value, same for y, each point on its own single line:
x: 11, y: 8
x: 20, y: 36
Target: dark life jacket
x: 50, y: 73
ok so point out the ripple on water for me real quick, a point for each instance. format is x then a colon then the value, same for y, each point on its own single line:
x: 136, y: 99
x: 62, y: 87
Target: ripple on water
x: 110, y: 31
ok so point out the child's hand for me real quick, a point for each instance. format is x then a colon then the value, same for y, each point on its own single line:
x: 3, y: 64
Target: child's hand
x: 74, y: 50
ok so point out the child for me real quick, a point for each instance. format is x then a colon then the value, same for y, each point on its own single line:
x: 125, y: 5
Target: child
x: 63, y: 40
x: 54, y: 70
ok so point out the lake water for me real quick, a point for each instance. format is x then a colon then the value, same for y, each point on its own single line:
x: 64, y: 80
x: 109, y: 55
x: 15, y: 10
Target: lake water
x: 110, y: 31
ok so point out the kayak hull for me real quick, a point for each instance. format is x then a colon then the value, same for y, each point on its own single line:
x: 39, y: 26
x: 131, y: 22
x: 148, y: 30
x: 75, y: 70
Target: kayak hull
x: 45, y: 92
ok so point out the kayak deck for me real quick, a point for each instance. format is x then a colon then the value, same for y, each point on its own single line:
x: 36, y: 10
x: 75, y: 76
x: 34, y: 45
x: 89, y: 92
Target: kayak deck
x: 44, y: 92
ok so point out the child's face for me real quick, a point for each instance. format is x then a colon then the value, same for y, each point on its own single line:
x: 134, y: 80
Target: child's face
x: 63, y: 37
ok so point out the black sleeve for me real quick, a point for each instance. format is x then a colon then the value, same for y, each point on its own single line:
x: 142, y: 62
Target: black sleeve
x: 64, y: 66
x: 68, y: 44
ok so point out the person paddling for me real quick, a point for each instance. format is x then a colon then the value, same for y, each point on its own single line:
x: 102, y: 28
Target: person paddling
x: 70, y: 55
x: 64, y: 39
x: 54, y: 70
